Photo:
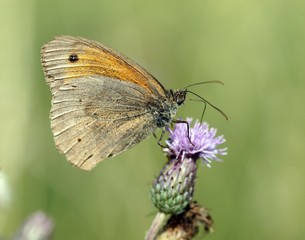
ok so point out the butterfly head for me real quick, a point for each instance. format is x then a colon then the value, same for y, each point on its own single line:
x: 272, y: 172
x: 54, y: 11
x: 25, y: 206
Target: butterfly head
x: 178, y: 96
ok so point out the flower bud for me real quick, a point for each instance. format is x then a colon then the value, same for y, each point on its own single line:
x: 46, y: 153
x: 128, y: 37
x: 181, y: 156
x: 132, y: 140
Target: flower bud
x: 173, y: 189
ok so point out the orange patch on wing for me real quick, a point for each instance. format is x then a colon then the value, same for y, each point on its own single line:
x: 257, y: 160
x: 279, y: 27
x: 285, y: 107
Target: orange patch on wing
x: 91, y: 58
x: 92, y: 62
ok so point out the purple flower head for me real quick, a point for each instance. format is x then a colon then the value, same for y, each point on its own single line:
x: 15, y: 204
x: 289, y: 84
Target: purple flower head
x: 204, y: 142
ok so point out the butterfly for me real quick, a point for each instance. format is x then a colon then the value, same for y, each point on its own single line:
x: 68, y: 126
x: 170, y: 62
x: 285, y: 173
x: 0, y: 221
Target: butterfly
x: 102, y: 102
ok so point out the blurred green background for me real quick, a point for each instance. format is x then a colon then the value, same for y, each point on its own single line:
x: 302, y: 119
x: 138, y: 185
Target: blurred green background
x: 257, y: 48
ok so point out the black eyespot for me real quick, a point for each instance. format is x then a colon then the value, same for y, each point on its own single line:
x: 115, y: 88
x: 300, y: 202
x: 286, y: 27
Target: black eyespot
x: 73, y: 57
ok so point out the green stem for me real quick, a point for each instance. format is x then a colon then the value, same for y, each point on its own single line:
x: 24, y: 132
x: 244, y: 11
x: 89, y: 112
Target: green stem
x: 155, y: 226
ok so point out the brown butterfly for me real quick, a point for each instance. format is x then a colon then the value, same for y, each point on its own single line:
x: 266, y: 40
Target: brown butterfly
x: 102, y: 102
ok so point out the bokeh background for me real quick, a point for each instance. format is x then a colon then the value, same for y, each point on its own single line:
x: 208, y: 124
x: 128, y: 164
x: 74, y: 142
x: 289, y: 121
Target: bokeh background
x: 257, y: 48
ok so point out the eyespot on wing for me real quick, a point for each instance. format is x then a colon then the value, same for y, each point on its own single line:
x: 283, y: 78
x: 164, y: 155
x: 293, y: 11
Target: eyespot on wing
x: 66, y: 58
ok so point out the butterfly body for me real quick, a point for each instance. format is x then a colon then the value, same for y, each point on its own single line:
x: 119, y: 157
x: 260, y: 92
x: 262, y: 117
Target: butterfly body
x: 102, y: 102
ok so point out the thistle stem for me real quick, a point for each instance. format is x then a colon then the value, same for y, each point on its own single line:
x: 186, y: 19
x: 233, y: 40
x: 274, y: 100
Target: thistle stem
x: 155, y: 226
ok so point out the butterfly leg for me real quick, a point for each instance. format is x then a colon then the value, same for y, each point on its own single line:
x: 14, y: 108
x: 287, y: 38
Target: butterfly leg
x: 187, y: 126
x: 160, y: 139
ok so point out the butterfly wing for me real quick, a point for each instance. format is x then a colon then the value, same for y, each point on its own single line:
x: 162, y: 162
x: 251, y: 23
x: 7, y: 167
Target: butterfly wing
x: 93, y: 118
x: 99, y: 106
x: 68, y: 57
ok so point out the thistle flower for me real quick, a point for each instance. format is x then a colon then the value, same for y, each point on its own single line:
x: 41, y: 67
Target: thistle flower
x: 204, y: 142
x: 173, y: 189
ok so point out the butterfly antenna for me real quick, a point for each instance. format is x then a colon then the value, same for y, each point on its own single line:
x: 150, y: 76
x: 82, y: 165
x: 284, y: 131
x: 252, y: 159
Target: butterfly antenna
x: 202, y: 114
x: 207, y: 102
x: 200, y: 83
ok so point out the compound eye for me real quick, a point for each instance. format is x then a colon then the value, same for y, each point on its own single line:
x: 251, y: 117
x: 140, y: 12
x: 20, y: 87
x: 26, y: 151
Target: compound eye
x: 180, y: 98
x: 180, y: 101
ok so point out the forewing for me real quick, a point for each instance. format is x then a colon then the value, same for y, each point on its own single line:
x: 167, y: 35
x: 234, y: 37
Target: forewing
x: 67, y: 58
x: 93, y: 118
